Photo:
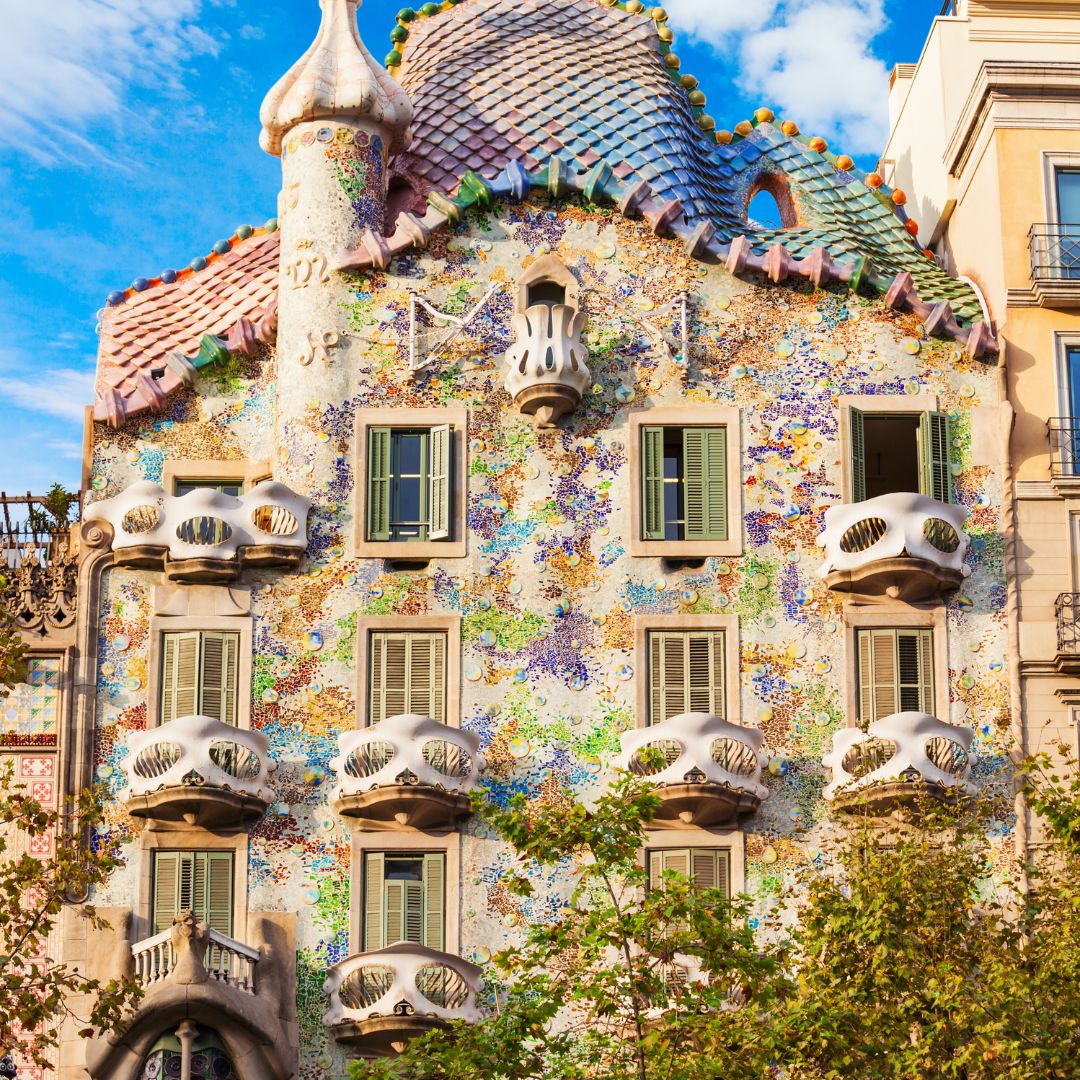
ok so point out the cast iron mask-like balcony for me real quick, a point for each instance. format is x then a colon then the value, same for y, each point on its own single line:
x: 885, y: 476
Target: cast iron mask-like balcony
x: 381, y: 1000
x: 901, y: 545
x: 708, y: 771
x: 205, y: 535
x: 199, y: 770
x: 408, y: 770
x: 897, y: 760
x: 1055, y: 264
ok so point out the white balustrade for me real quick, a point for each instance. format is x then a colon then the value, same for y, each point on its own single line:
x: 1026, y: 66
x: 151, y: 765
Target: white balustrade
x: 215, y: 754
x: 403, y: 980
x: 205, y: 524
x: 700, y: 746
x: 227, y: 961
x: 905, y: 746
x: 411, y: 749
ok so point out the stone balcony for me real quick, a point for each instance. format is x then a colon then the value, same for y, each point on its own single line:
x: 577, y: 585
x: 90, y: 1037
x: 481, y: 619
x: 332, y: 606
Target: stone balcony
x: 708, y: 771
x: 381, y: 1000
x: 409, y: 771
x: 903, y: 546
x: 897, y: 761
x: 205, y: 536
x: 199, y: 770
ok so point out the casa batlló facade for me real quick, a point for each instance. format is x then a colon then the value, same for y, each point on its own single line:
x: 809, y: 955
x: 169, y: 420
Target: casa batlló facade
x: 511, y: 446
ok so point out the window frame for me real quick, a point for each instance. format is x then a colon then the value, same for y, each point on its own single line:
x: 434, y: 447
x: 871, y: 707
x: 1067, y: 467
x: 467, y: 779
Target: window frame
x: 455, y: 547
x: 866, y: 633
x: 718, y: 416
x: 365, y: 890
x: 217, y: 471
x: 370, y: 682
x: 731, y: 840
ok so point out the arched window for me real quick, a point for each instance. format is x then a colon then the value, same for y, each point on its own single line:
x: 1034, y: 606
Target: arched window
x: 770, y: 204
x: 546, y: 292
x: 209, y: 1058
x: 547, y: 282
x: 764, y: 211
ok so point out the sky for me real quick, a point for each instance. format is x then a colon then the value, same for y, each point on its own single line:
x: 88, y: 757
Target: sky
x: 129, y: 144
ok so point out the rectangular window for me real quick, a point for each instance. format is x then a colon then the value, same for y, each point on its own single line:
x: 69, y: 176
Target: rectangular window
x: 1065, y: 243
x: 404, y: 899
x: 900, y: 453
x: 226, y: 487
x: 896, y: 673
x: 686, y: 673
x: 684, y: 483
x: 409, y: 483
x: 198, y: 881
x: 199, y: 675
x: 710, y: 868
x: 408, y: 674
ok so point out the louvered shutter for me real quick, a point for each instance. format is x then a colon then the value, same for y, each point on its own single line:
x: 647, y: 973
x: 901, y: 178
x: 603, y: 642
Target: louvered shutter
x: 216, y: 906
x: 652, y: 483
x: 389, y: 675
x: 434, y: 900
x: 712, y: 869
x: 656, y: 869
x: 915, y: 668
x: 935, y: 441
x: 439, y: 482
x: 895, y: 673
x: 378, y: 525
x: 667, y: 676
x: 394, y: 905
x: 705, y: 483
x: 218, y: 677
x: 705, y: 672
x: 857, y: 460
x: 374, y: 885
x: 166, y: 889
x: 179, y: 676
x: 677, y: 860
x: 408, y: 675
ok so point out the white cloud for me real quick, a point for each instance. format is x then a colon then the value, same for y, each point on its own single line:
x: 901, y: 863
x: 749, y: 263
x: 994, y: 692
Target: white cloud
x: 717, y: 21
x: 60, y: 392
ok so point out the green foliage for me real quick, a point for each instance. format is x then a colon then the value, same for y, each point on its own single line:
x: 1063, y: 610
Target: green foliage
x: 54, y: 512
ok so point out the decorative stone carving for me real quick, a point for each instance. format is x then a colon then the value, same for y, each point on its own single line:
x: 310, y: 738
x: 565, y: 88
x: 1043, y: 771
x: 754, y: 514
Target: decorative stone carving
x: 407, y: 770
x: 900, y: 545
x: 709, y: 772
x: 898, y: 758
x: 547, y: 366
x: 41, y: 584
x: 188, y: 939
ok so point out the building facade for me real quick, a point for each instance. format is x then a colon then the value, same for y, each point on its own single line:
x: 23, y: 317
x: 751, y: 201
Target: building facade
x: 512, y: 445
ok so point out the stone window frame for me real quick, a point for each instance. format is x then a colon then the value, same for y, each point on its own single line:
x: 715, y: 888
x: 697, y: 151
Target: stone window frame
x: 889, y: 404
x: 729, y: 624
x: 179, y: 470
x: 1052, y: 160
x: 449, y: 623
x: 403, y: 550
x: 547, y: 268
x: 447, y: 843
x: 732, y: 840
x: 896, y: 615
x: 725, y: 416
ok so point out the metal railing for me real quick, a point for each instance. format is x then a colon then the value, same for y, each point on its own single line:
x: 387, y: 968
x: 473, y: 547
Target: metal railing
x: 1067, y: 609
x: 29, y: 529
x: 1055, y: 252
x: 1064, y: 435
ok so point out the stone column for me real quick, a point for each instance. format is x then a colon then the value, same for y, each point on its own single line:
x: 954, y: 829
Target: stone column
x: 186, y: 1033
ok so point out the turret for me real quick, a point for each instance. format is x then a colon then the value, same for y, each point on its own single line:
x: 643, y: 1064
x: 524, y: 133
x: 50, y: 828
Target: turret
x: 334, y: 119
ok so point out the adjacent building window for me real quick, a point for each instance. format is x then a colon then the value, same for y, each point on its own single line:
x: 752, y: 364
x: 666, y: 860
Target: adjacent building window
x: 407, y: 674
x: 199, y: 674
x: 905, y: 452
x: 686, y: 673
x: 1067, y: 196
x: 198, y: 881
x: 409, y: 483
x: 896, y: 672
x: 404, y: 899
x: 710, y: 868
x: 684, y: 483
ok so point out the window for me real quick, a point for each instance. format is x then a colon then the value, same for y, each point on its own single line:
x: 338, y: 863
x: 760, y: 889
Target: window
x: 896, y: 672
x: 404, y: 899
x: 199, y: 675
x: 409, y: 483
x: 684, y: 483
x: 408, y: 674
x: 547, y: 292
x: 764, y: 211
x: 1067, y: 198
x: 226, y: 487
x: 686, y: 673
x: 710, y: 868
x: 892, y: 452
x: 199, y: 881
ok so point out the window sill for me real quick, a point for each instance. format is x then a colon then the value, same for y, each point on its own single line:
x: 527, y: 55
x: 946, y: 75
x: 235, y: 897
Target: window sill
x: 685, y: 549
x: 410, y: 550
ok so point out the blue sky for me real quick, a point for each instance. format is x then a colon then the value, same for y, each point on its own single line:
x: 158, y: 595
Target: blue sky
x: 129, y: 144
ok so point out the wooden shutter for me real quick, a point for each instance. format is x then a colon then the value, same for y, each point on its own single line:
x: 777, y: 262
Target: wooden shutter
x: 652, y: 483
x: 712, y: 869
x: 218, y: 675
x: 935, y: 442
x: 915, y: 670
x: 686, y: 673
x: 439, y: 482
x: 705, y: 671
x: 215, y: 907
x: 378, y: 524
x: 705, y: 483
x: 857, y: 456
x: 199, y: 881
x: 166, y: 889
x: 895, y: 673
x: 434, y: 900
x: 408, y: 675
x: 179, y: 675
x: 374, y: 885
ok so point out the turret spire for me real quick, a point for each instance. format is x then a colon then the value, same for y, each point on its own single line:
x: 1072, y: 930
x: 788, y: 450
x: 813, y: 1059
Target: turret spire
x: 337, y: 78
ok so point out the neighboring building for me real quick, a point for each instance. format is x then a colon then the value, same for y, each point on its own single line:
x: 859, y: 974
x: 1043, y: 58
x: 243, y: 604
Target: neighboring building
x: 517, y: 446
x: 986, y: 129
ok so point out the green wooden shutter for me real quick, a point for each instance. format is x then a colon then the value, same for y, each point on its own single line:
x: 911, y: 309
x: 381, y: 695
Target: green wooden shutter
x: 705, y: 671
x: 166, y: 889
x: 705, y: 483
x: 199, y: 881
x: 711, y: 869
x: 915, y: 670
x: 378, y: 524
x: 215, y: 907
x: 667, y: 676
x: 652, y: 483
x: 878, y: 690
x: 935, y: 442
x: 434, y: 900
x: 857, y: 456
x: 374, y: 886
x: 218, y: 675
x: 408, y: 675
x: 439, y: 482
x: 179, y: 675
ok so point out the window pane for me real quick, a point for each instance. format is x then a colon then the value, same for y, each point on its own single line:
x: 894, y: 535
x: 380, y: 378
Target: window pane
x: 1073, y: 360
x: 410, y: 452
x: 226, y: 487
x: 404, y: 868
x: 407, y: 511
x: 672, y: 515
x: 1068, y: 196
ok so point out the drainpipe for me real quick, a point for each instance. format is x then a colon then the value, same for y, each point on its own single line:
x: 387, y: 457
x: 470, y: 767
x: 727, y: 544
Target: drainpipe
x: 186, y: 1033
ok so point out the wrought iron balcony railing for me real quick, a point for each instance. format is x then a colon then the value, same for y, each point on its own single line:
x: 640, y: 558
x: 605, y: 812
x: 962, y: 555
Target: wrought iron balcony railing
x: 1055, y: 252
x: 1064, y: 435
x: 1067, y: 609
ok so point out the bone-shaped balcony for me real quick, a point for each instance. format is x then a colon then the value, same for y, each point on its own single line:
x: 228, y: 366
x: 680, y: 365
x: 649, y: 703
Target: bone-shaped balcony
x: 707, y: 771
x: 205, y: 535
x: 898, y: 760
x: 381, y: 1000
x: 199, y: 770
x: 408, y: 770
x: 904, y: 546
